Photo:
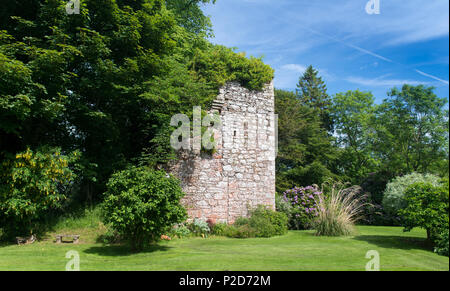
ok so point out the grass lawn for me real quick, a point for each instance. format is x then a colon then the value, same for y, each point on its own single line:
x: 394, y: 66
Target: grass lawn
x: 298, y: 250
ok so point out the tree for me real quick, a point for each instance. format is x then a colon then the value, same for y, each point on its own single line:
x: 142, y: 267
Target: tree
x: 312, y: 91
x: 352, y: 113
x: 107, y: 81
x: 426, y: 207
x: 190, y: 15
x: 141, y: 204
x: 305, y: 151
x: 411, y: 130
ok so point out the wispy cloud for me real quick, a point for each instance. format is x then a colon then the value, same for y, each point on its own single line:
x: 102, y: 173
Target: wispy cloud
x: 294, y: 67
x: 400, y: 22
x: 377, y: 82
x: 407, y: 40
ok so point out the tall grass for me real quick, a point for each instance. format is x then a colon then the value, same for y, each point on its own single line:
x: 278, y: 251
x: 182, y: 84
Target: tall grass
x: 339, y: 210
x: 84, y: 218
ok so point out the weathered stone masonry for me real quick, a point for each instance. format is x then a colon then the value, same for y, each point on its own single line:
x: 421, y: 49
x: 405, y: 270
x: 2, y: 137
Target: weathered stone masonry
x: 241, y: 173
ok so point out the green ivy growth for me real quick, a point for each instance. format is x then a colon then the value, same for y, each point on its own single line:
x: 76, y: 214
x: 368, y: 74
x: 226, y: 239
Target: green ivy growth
x: 218, y: 65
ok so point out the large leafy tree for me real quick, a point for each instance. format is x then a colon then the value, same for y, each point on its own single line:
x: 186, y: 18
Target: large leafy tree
x: 190, y: 15
x: 86, y: 74
x: 411, y: 128
x: 353, y: 114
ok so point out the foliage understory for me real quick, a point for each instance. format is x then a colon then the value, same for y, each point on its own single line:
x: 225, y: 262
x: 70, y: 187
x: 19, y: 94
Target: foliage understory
x: 298, y: 250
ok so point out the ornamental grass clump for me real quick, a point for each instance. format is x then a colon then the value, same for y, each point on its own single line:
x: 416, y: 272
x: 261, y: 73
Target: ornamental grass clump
x: 339, y: 211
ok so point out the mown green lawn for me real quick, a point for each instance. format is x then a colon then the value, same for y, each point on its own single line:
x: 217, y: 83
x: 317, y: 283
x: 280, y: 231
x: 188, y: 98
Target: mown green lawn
x: 298, y: 250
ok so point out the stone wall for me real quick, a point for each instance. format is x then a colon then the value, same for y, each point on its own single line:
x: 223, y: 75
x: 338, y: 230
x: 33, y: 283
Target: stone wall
x: 241, y: 173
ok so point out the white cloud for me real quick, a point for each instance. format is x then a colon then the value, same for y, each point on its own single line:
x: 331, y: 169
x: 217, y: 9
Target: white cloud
x: 294, y: 67
x: 330, y: 32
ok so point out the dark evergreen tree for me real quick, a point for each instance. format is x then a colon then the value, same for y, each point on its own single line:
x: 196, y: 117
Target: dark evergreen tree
x: 305, y: 150
x: 312, y: 91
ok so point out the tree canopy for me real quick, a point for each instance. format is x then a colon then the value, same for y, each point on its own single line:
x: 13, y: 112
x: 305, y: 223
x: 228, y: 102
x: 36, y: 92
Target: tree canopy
x: 106, y: 81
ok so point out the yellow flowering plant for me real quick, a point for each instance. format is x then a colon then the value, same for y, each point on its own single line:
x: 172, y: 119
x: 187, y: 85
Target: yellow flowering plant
x: 33, y: 182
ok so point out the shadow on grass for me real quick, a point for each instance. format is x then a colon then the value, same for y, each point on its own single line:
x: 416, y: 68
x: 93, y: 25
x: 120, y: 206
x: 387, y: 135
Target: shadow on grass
x: 123, y: 250
x: 396, y: 242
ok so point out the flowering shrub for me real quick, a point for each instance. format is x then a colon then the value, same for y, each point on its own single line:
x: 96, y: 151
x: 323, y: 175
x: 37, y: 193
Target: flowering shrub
x: 31, y: 184
x: 304, y: 206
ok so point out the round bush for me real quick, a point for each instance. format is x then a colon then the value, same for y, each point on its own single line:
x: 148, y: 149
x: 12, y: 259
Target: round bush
x: 393, y: 199
x: 426, y: 207
x: 268, y: 223
x: 142, y: 204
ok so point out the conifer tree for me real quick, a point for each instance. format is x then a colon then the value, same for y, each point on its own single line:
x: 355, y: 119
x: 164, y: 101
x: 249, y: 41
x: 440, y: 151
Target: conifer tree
x: 312, y: 91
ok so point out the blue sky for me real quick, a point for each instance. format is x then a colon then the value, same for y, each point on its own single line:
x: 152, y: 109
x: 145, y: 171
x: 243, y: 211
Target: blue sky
x: 408, y: 42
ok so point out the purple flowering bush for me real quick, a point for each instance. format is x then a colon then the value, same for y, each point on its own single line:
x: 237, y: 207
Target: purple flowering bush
x: 303, y: 206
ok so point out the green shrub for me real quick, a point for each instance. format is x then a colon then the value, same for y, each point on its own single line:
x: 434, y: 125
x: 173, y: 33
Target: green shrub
x: 426, y: 207
x: 142, y: 204
x: 219, y: 229
x: 236, y: 231
x: 31, y: 184
x: 282, y: 205
x: 338, y: 211
x: 240, y: 221
x: 199, y: 227
x: 441, y: 247
x: 110, y: 237
x: 393, y: 197
x: 375, y: 184
x: 180, y: 231
x: 242, y: 231
x: 263, y: 222
x: 268, y: 223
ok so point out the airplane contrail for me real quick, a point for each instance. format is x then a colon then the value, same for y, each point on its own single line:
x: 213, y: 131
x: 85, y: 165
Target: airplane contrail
x: 431, y: 76
x: 374, y: 54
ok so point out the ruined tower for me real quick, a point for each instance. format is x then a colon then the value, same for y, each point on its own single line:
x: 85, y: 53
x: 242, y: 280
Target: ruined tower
x: 241, y: 173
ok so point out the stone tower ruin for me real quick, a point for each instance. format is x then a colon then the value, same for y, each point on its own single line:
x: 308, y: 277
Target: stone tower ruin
x: 241, y: 173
